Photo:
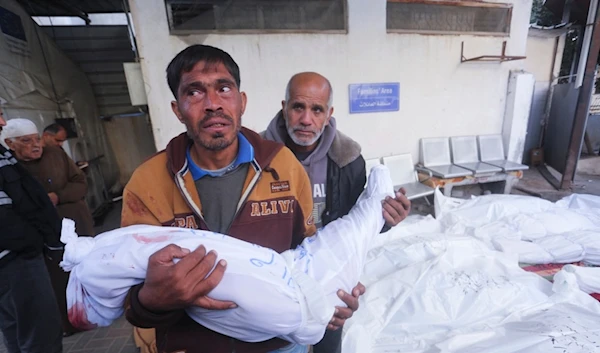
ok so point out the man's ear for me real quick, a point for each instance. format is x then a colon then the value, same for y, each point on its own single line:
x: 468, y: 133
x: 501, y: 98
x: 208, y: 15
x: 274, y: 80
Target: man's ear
x: 9, y: 143
x: 329, y: 115
x: 283, y: 105
x: 175, y: 109
x: 244, y: 100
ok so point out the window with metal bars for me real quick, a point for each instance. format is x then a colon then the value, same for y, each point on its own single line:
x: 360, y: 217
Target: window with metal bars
x: 448, y: 17
x: 256, y: 16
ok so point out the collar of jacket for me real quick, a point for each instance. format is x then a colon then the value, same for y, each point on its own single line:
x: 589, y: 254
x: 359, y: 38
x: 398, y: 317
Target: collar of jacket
x: 264, y: 151
x: 342, y: 152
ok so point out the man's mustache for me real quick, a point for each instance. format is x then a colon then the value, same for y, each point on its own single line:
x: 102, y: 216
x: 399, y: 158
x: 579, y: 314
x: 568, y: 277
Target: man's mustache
x: 211, y: 115
x: 297, y: 128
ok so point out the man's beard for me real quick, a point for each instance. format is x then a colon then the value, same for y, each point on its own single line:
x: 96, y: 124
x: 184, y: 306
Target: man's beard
x: 292, y: 129
x: 217, y: 141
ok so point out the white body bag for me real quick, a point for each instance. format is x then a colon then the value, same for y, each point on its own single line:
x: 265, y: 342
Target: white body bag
x: 290, y: 295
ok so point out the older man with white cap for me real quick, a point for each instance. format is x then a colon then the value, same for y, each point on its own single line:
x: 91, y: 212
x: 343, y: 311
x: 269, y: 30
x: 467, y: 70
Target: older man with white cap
x: 65, y: 185
x: 29, y: 315
x: 24, y: 135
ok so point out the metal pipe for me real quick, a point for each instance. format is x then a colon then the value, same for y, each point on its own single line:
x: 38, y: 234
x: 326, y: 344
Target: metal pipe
x: 549, y: 96
x: 70, y: 8
x: 554, y: 80
x: 140, y: 112
x: 583, y: 105
x: 132, y: 38
x: 565, y: 76
x: 587, y: 38
x: 575, y: 59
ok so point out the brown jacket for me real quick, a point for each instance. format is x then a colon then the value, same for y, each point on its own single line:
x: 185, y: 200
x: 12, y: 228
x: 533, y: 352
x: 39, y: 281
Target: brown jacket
x: 274, y: 211
x: 58, y: 173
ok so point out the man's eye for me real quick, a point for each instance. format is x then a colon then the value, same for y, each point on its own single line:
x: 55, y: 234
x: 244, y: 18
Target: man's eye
x: 225, y: 89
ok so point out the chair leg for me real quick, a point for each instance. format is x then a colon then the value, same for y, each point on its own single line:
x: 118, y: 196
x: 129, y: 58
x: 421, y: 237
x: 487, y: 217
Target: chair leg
x: 427, y: 200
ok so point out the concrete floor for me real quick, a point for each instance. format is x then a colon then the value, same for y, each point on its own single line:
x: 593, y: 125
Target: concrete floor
x: 533, y: 183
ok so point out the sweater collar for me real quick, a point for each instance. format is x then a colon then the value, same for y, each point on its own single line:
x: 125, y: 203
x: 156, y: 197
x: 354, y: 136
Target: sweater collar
x: 264, y: 151
x: 245, y: 155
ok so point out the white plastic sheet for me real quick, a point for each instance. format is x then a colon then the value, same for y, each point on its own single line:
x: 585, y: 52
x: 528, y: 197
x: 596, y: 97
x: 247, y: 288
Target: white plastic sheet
x: 539, y: 231
x: 290, y: 295
x: 588, y: 278
x: 580, y: 201
x: 458, y: 287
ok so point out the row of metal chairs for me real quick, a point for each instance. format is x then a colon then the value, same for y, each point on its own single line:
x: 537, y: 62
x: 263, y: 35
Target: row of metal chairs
x: 447, y: 158
x: 466, y: 155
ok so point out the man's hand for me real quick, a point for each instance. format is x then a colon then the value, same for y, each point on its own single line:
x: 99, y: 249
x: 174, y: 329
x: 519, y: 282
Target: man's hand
x: 396, y: 210
x: 342, y: 314
x: 54, y: 198
x: 172, y: 286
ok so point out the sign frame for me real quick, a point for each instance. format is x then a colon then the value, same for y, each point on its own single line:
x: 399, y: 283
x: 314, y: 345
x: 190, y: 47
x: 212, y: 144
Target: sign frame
x: 374, y: 97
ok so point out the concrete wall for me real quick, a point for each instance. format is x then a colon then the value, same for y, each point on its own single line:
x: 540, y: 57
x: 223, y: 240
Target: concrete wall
x: 540, y: 52
x: 518, y: 107
x: 439, y: 96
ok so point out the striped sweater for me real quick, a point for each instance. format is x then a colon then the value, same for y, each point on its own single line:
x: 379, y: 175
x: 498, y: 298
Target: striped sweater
x: 27, y: 217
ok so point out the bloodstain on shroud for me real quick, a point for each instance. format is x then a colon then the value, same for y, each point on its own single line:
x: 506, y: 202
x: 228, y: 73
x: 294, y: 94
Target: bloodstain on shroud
x: 148, y: 240
x: 78, y: 317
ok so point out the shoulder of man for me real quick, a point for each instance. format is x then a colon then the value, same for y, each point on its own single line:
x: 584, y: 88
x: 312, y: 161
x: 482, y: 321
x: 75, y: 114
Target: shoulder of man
x: 285, y: 159
x: 151, y: 171
x: 6, y: 158
x: 148, y: 193
x: 54, y: 151
x: 264, y: 150
x: 344, y: 150
x: 56, y: 155
x: 8, y: 166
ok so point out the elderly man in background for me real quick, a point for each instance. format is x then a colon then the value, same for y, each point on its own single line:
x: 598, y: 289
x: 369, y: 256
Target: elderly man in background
x: 29, y: 315
x: 65, y: 185
x: 334, y: 165
x: 54, y: 135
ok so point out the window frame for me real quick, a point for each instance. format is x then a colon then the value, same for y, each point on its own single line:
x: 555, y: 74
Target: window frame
x: 457, y: 3
x: 173, y: 31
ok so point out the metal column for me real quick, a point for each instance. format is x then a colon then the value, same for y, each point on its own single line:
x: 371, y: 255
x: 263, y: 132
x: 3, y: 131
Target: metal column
x: 583, y: 104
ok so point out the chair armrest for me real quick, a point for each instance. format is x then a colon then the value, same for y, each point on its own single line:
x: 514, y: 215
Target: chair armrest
x: 424, y: 170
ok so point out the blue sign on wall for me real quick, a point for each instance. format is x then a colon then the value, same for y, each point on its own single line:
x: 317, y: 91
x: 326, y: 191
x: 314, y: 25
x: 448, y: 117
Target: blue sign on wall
x: 374, y: 97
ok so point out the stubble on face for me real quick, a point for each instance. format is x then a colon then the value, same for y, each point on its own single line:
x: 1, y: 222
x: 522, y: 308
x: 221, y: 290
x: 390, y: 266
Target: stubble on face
x: 216, y: 141
x: 293, y: 129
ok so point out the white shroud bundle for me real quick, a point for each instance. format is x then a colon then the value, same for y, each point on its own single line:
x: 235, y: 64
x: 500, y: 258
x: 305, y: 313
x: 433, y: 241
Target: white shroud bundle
x: 290, y: 295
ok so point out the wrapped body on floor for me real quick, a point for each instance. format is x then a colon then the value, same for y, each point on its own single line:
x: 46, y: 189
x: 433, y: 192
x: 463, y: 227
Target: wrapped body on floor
x: 290, y: 295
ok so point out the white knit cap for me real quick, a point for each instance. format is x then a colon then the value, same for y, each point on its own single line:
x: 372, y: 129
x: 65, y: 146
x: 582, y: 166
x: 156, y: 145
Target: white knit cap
x: 18, y: 127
